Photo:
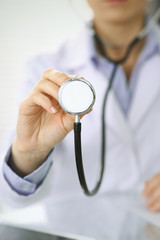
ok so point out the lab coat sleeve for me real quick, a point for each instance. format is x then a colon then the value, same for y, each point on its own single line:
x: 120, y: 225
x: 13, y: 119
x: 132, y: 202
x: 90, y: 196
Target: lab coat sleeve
x: 14, y: 190
x: 27, y: 185
x: 13, y: 198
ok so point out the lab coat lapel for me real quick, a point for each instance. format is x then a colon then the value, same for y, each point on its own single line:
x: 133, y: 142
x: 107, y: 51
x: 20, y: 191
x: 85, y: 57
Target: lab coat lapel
x: 146, y: 92
x: 115, y: 118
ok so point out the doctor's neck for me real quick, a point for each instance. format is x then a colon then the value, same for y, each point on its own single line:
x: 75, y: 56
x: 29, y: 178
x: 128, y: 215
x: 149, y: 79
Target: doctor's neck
x: 121, y: 34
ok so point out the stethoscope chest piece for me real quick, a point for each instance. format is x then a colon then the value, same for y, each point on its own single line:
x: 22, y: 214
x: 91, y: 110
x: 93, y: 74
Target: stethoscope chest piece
x: 76, y: 96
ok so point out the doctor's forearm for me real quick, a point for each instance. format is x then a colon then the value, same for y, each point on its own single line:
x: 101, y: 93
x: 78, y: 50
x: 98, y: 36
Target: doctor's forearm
x: 23, y: 163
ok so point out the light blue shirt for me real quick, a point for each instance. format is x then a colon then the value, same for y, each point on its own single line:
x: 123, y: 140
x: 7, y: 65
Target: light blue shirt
x: 123, y: 90
x: 124, y: 93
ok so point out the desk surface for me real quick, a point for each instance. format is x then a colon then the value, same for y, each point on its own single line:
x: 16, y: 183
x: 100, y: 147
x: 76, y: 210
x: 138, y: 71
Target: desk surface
x: 106, y: 217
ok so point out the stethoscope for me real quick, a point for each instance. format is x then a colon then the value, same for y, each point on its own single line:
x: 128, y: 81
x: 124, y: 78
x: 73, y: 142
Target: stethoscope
x: 77, y: 97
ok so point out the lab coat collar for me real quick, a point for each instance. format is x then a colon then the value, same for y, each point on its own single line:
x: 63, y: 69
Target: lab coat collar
x: 148, y: 87
x: 117, y: 121
x: 147, y: 90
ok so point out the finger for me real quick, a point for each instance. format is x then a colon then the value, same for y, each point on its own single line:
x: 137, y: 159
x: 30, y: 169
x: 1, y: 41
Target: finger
x: 156, y: 206
x: 47, y: 87
x: 68, y: 122
x: 55, y: 76
x: 75, y: 76
x: 145, y: 189
x: 151, y: 185
x: 43, y: 101
x: 153, y: 198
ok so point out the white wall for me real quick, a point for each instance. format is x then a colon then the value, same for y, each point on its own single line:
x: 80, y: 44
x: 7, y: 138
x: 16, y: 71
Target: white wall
x: 26, y: 27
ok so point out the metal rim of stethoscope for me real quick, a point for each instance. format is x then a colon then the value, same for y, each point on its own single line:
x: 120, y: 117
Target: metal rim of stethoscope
x: 61, y: 92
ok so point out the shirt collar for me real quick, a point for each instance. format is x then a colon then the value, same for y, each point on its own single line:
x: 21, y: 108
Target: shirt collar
x: 151, y: 47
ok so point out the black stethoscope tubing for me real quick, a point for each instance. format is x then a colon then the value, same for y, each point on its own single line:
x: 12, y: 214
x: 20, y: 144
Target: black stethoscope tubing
x: 77, y: 125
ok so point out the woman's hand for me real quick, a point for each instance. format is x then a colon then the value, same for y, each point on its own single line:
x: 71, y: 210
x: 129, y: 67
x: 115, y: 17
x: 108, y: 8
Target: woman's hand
x: 152, y: 193
x: 41, y: 123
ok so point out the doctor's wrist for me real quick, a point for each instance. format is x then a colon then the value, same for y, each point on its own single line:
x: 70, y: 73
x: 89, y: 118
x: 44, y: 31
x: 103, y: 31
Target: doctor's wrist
x: 23, y: 162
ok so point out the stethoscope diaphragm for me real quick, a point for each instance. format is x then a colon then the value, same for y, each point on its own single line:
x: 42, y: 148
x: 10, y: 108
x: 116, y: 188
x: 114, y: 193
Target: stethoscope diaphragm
x: 76, y: 96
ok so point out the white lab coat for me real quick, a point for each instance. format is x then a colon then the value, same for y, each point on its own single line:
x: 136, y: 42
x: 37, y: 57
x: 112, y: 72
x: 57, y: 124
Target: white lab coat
x: 133, y: 143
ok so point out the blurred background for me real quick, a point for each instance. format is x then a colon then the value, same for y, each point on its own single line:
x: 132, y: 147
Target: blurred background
x: 27, y: 27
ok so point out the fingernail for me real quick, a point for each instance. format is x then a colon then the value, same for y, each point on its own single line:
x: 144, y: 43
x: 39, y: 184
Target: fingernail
x: 54, y: 110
